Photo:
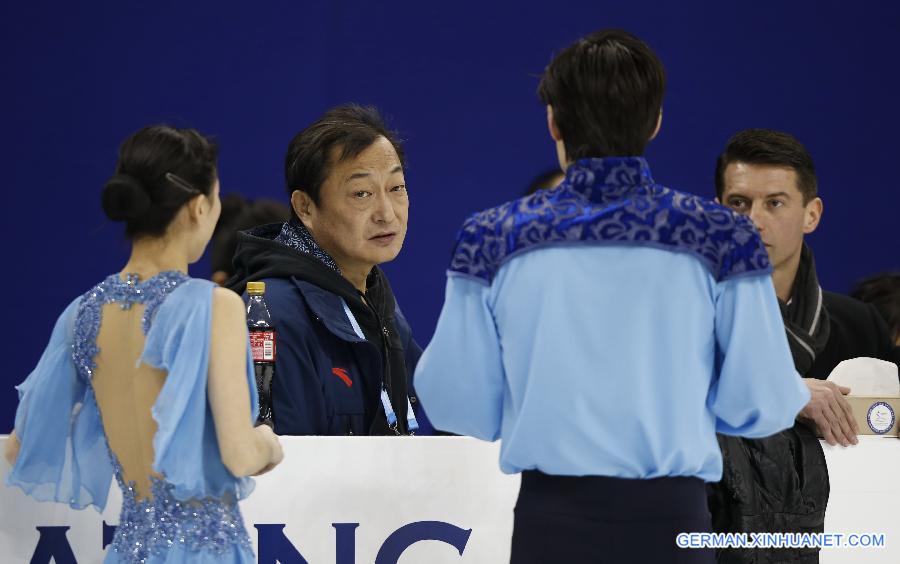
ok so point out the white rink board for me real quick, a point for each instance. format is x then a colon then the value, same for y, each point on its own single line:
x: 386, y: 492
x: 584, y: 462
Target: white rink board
x: 385, y: 483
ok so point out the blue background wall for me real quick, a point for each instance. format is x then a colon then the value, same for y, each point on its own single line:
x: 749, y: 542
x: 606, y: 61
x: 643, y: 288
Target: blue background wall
x: 458, y: 81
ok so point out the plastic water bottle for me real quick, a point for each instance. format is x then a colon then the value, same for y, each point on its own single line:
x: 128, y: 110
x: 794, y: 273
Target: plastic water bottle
x: 262, y: 345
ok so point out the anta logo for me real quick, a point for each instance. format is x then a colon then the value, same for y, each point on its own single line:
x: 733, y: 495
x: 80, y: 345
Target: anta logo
x: 342, y: 374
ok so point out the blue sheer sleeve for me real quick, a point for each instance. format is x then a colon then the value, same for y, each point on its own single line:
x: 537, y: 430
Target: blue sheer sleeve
x: 185, y: 445
x: 63, y: 455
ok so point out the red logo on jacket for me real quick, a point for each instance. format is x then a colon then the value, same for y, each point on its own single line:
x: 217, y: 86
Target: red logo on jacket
x: 342, y: 374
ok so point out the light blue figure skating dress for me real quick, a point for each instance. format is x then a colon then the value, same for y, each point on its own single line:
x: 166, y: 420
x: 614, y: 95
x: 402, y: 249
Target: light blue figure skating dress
x: 121, y: 390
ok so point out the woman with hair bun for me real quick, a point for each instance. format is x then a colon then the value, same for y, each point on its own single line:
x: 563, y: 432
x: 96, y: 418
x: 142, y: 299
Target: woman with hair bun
x: 148, y: 376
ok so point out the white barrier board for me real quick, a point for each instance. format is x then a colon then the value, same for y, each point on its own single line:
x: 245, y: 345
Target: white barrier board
x: 358, y: 500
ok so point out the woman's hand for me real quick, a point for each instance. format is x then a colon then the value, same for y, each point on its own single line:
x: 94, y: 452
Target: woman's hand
x: 276, y: 453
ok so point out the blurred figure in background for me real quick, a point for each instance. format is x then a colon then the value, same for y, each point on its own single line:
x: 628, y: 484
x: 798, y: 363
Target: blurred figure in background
x: 546, y: 180
x: 883, y: 292
x: 239, y: 214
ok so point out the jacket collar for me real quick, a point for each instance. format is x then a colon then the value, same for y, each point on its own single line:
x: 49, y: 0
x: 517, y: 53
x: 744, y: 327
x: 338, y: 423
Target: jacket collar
x: 336, y: 312
x: 329, y: 308
x: 609, y: 179
x: 295, y: 235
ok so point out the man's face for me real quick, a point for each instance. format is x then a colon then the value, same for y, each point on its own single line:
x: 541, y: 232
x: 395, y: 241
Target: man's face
x: 360, y: 219
x: 770, y: 196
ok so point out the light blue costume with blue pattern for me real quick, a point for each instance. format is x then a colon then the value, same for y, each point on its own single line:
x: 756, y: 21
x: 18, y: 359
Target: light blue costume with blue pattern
x: 610, y: 326
x: 192, y: 513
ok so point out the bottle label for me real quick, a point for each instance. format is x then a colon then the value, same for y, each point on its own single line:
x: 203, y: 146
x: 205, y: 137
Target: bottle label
x: 262, y: 346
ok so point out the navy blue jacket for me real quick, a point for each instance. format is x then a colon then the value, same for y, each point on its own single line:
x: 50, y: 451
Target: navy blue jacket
x: 327, y: 379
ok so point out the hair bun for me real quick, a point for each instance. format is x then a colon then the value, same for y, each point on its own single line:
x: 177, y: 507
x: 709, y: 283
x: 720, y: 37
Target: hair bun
x: 124, y: 198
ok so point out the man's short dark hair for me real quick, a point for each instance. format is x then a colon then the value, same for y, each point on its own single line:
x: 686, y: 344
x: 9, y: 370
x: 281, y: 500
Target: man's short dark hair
x: 770, y: 148
x: 351, y: 128
x: 606, y: 92
x: 883, y: 292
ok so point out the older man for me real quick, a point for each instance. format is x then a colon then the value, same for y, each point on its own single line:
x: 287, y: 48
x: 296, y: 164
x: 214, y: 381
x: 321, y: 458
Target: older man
x: 345, y: 355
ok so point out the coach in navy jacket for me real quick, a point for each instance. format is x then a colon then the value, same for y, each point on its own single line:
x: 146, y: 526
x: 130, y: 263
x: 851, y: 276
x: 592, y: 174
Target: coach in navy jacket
x: 341, y: 339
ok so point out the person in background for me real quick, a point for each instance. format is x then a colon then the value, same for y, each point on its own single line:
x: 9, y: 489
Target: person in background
x: 243, y: 215
x: 883, y: 292
x: 147, y: 376
x: 345, y: 353
x: 232, y: 205
x: 606, y: 329
x: 545, y: 181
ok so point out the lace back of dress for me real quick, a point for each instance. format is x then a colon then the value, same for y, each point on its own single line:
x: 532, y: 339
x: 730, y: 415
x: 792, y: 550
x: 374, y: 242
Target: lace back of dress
x: 126, y: 392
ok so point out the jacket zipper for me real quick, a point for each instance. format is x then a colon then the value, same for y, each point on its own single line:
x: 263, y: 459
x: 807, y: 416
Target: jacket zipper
x: 385, y: 359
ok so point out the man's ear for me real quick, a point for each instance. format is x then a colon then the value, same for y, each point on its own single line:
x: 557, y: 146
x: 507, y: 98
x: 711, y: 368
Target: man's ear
x: 812, y: 214
x: 303, y: 206
x: 557, y: 139
x: 658, y: 125
x: 551, y: 125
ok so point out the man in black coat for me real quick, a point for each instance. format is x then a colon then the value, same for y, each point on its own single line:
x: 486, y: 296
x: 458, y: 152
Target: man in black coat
x: 883, y: 292
x: 780, y: 483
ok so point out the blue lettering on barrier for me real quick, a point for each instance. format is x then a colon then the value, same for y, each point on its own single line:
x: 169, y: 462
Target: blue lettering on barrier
x: 407, y: 535
x: 345, y: 543
x: 108, y: 532
x: 53, y: 544
x: 274, y: 547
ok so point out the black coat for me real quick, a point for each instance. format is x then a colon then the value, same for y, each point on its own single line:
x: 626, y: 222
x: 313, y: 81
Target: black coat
x: 856, y: 330
x: 780, y: 483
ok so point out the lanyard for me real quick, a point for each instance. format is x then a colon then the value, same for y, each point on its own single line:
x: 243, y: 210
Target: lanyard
x: 411, y: 424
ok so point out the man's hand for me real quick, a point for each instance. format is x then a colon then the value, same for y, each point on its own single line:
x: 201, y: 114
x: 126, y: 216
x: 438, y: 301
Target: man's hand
x: 11, y: 452
x: 831, y: 413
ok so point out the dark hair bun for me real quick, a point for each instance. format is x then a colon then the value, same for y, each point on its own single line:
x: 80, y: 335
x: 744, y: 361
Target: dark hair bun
x: 124, y: 198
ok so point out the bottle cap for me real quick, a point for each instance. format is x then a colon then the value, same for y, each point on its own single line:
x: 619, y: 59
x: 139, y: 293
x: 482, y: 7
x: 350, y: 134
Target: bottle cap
x: 256, y: 287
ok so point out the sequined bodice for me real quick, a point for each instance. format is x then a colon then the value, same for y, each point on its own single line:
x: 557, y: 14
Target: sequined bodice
x: 152, y: 526
x: 126, y: 293
x: 157, y: 521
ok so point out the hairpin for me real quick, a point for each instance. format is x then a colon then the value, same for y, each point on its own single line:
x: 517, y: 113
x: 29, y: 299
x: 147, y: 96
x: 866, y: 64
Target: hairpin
x: 181, y: 183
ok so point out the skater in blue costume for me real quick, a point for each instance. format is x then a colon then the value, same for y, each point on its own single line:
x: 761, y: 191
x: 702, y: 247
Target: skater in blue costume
x: 148, y: 377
